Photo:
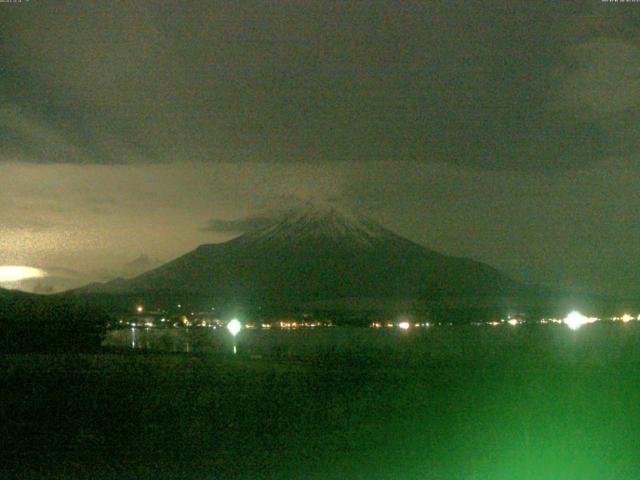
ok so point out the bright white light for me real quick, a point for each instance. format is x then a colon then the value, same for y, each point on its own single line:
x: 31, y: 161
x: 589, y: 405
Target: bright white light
x: 626, y: 318
x: 513, y: 322
x: 139, y: 309
x: 404, y: 325
x: 575, y: 320
x: 13, y: 273
x: 234, y: 327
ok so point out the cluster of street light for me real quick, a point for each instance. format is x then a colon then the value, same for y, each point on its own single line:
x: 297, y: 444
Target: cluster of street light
x: 574, y: 320
x: 402, y: 325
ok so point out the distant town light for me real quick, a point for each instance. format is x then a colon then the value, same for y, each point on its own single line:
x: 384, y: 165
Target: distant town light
x: 513, y: 322
x: 626, y: 318
x: 234, y: 327
x: 404, y: 325
x: 139, y: 309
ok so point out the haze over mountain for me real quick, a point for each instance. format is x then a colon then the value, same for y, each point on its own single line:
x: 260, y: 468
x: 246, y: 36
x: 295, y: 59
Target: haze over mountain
x: 8, y: 294
x: 52, y: 279
x: 313, y: 254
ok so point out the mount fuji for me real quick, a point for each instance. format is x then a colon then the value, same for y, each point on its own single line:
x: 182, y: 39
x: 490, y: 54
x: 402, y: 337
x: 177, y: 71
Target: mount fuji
x: 314, y: 254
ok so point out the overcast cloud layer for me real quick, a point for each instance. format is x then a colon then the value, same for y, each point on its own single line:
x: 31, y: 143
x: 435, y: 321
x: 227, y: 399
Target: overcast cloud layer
x: 487, y: 84
x: 502, y: 131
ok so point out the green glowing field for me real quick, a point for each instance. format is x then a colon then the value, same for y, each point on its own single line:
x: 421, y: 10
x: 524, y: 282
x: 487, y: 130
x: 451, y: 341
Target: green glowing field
x: 520, y: 403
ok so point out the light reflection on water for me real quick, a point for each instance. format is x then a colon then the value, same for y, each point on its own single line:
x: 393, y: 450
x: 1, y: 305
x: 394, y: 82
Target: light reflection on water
x: 597, y: 343
x: 197, y: 340
x: 161, y: 340
x: 211, y: 340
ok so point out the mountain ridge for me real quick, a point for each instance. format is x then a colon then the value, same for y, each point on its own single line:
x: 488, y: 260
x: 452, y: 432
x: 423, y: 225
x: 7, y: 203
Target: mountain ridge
x: 312, y: 254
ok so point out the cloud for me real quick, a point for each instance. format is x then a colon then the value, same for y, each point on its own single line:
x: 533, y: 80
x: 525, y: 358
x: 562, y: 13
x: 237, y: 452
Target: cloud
x: 27, y: 138
x: 604, y: 79
x: 572, y: 227
x: 105, y: 215
x: 58, y: 279
x: 140, y: 264
x: 239, y: 225
x: 483, y: 86
x: 502, y: 132
x: 34, y: 223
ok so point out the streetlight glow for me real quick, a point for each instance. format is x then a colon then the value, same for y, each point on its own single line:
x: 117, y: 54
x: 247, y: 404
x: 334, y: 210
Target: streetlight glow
x: 234, y: 327
x: 575, y: 320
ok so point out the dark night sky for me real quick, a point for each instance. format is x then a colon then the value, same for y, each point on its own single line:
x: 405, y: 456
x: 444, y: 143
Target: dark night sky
x: 507, y: 131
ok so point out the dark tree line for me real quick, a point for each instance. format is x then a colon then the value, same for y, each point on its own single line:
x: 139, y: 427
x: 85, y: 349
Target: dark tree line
x: 50, y: 324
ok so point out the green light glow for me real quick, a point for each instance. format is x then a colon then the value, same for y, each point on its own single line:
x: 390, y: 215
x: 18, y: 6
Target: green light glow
x: 234, y: 327
x: 575, y: 320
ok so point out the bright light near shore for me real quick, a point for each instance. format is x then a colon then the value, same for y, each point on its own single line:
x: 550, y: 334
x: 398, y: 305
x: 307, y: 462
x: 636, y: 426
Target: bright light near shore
x: 626, y: 318
x: 404, y: 325
x: 234, y: 327
x: 513, y: 322
x: 575, y: 320
x: 13, y: 273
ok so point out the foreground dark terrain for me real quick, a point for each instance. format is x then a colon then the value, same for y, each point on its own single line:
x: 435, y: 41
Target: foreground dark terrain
x: 450, y: 403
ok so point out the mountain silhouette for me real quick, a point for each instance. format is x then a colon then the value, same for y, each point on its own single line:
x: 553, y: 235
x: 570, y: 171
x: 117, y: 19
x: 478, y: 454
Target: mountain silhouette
x: 316, y: 253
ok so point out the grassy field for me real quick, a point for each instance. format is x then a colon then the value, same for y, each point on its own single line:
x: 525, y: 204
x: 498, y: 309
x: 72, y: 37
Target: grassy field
x: 528, y: 405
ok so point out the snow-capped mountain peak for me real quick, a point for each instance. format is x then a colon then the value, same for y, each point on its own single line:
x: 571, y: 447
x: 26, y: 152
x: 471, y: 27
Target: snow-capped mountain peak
x: 319, y: 221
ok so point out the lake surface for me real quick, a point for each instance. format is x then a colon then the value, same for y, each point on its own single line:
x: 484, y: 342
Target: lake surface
x: 529, y: 402
x: 600, y: 342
